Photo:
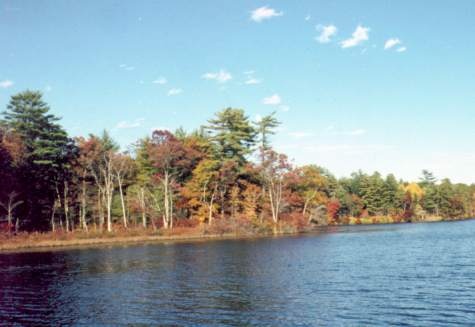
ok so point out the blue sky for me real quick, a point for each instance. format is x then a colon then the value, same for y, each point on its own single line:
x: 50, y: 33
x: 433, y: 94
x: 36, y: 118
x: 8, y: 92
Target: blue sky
x: 371, y: 85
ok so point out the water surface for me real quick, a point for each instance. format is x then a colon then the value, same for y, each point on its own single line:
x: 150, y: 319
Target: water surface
x: 408, y: 275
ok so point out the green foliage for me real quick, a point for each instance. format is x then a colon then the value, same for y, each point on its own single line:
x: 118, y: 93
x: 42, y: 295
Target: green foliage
x: 205, y: 175
x: 48, y: 152
x: 265, y: 127
x: 232, y: 134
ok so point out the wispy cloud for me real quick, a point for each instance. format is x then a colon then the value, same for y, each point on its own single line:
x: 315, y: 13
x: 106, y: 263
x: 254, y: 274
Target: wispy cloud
x: 307, y: 18
x: 126, y: 67
x: 252, y: 81
x: 326, y: 33
x: 340, y: 149
x: 391, y: 43
x: 48, y: 88
x: 127, y: 125
x: 401, y: 49
x: 174, y: 91
x: 356, y: 132
x: 300, y: 134
x: 273, y: 100
x: 360, y: 35
x: 263, y: 13
x: 160, y: 81
x: 6, y: 84
x: 221, y: 77
x: 284, y: 108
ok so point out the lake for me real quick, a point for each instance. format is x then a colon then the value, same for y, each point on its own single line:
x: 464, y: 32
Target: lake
x: 407, y: 275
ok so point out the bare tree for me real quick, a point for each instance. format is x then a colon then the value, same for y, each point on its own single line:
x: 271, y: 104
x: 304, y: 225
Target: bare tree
x: 10, y: 205
x: 103, y: 174
x: 122, y: 166
x: 274, y: 168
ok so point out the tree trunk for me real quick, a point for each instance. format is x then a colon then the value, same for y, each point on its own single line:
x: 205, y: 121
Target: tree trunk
x: 82, y: 217
x: 9, y: 218
x: 53, y: 225
x: 109, y: 209
x: 307, y: 200
x: 100, y: 198
x: 142, y: 205
x: 124, y: 213
x: 66, y: 205
x: 166, y: 202
x: 210, y: 218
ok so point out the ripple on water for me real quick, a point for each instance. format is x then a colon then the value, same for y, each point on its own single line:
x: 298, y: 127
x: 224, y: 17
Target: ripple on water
x: 405, y: 275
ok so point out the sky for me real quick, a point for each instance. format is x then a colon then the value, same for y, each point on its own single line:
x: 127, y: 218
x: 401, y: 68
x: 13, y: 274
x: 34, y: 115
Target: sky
x: 384, y: 86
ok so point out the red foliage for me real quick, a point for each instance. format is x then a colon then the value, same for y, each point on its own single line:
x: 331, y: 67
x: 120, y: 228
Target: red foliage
x: 170, y: 154
x: 333, y: 206
x: 295, y: 219
x: 186, y: 223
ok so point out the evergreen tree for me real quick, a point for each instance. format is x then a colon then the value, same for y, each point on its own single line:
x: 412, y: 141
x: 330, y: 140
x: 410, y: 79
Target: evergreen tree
x: 233, y: 135
x: 265, y: 127
x: 372, y: 189
x: 48, y: 153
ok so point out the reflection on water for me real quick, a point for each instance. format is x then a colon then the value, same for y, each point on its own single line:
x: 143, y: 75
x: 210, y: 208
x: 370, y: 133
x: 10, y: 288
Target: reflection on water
x: 417, y: 275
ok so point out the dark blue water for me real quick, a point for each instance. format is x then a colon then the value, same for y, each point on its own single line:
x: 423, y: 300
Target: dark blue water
x: 408, y: 275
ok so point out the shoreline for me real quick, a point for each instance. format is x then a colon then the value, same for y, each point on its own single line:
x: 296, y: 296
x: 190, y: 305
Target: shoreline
x: 97, y: 242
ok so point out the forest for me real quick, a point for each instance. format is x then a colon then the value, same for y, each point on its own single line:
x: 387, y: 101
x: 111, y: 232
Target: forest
x: 224, y: 176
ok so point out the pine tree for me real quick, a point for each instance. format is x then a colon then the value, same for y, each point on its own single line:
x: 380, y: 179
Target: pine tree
x: 233, y: 134
x: 265, y: 127
x: 48, y: 153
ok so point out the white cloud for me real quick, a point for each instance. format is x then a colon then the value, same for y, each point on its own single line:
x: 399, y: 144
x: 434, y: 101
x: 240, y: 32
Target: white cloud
x: 340, y: 149
x: 391, y: 43
x: 300, y: 135
x: 273, y: 100
x: 356, y: 132
x: 263, y: 13
x: 252, y: 81
x: 249, y: 72
x: 48, y: 88
x: 160, y: 81
x: 284, y: 108
x: 6, y: 84
x: 126, y: 67
x: 221, y: 77
x: 326, y: 32
x: 401, y: 49
x: 307, y: 18
x: 174, y: 91
x: 127, y: 125
x: 360, y: 35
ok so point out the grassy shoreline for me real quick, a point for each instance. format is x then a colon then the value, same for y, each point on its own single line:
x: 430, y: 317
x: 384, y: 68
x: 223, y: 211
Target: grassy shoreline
x: 47, y: 241
x: 94, y: 242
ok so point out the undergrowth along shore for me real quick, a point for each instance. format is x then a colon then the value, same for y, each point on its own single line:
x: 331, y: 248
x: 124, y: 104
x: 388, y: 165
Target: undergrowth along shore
x: 21, y: 242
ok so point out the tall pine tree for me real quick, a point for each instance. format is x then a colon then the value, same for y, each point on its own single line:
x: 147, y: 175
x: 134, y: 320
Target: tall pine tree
x: 47, y: 158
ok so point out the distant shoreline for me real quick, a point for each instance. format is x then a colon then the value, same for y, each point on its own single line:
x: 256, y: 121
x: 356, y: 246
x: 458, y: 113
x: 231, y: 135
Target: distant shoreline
x: 14, y: 246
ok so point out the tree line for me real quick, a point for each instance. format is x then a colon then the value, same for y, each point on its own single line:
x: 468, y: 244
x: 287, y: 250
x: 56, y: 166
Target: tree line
x: 225, y: 173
